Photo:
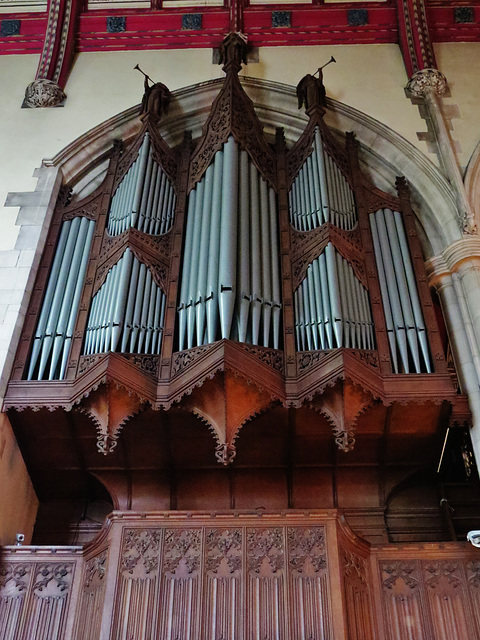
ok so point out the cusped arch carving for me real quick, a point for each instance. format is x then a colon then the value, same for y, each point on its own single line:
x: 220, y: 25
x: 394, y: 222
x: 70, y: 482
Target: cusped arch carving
x: 225, y: 402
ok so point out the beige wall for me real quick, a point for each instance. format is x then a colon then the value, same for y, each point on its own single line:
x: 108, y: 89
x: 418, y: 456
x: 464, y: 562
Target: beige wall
x: 370, y: 78
x: 459, y: 61
x: 18, y: 502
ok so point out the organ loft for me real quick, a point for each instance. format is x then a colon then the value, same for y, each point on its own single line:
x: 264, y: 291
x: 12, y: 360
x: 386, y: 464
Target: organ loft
x: 232, y: 385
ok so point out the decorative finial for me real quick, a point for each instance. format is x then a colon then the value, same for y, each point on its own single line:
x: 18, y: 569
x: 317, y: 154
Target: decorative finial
x: 233, y: 51
x: 156, y: 98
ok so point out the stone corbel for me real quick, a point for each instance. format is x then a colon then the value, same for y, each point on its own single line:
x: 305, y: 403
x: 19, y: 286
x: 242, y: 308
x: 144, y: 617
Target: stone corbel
x: 57, y: 56
x: 426, y: 81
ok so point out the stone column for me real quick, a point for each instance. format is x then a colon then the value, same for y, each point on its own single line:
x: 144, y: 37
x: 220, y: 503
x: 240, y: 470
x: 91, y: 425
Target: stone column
x: 430, y: 85
x: 456, y: 276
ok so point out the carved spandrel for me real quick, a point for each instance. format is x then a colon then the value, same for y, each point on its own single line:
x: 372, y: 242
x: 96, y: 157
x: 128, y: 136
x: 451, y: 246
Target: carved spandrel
x: 140, y: 553
x: 308, y: 245
x: 308, y: 359
x: 53, y: 579
x: 146, y: 363
x: 89, y: 209
x: 14, y: 579
x: 182, y: 553
x: 95, y: 571
x: 442, y: 574
x: 265, y: 552
x: 184, y: 359
x: 400, y: 575
x: 354, y: 567
x: 223, y: 552
x: 233, y: 114
x: 271, y: 357
x: 473, y: 574
x: 306, y: 551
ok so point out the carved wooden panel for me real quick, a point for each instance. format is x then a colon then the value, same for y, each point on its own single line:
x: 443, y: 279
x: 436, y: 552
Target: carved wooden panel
x: 431, y: 598
x: 265, y: 583
x: 14, y: 579
x: 404, y: 608
x: 34, y: 600
x: 472, y: 569
x: 446, y: 592
x: 357, y: 596
x: 309, y: 600
x: 137, y: 582
x: 180, y: 608
x: 92, y: 597
x: 223, y: 582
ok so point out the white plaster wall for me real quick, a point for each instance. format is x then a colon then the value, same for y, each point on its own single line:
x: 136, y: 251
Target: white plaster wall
x: 459, y: 61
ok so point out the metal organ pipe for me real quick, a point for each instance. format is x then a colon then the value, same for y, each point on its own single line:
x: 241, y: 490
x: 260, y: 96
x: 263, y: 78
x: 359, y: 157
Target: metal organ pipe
x: 227, y: 274
x: 243, y: 292
x: 320, y: 192
x: 256, y: 275
x: 145, y: 198
x: 201, y: 293
x: 325, y: 318
x: 412, y: 289
x: 213, y: 258
x: 127, y: 310
x: 54, y: 332
x: 237, y: 249
x: 403, y: 311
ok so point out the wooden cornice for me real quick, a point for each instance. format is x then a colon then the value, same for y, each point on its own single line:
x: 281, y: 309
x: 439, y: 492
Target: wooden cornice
x: 259, y: 366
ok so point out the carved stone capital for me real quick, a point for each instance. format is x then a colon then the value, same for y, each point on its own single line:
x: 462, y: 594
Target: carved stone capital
x: 43, y: 93
x: 426, y: 81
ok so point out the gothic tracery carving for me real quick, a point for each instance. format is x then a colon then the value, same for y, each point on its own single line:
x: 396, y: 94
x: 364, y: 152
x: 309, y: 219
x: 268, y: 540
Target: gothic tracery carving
x: 140, y: 544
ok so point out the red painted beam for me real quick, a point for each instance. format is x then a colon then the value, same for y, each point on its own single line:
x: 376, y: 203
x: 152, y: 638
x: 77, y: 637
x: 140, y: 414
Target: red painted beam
x: 31, y: 37
x: 152, y: 30
x: 310, y: 25
x: 162, y: 29
x: 443, y: 27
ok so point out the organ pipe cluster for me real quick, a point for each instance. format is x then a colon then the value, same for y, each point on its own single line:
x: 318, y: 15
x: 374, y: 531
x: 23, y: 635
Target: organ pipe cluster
x: 230, y: 286
x: 145, y: 199
x: 332, y: 308
x: 127, y: 311
x: 403, y: 314
x: 320, y: 193
x: 54, y: 333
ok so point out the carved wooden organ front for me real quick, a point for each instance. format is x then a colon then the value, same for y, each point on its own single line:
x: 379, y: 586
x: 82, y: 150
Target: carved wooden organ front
x: 232, y: 258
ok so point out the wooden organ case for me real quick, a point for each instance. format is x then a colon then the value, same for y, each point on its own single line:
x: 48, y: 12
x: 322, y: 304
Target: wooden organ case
x: 209, y: 315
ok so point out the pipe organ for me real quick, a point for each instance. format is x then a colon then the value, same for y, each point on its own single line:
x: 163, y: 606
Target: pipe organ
x: 321, y: 193
x: 127, y: 312
x: 54, y: 332
x: 229, y: 275
x: 145, y: 199
x: 332, y: 308
x: 403, y: 313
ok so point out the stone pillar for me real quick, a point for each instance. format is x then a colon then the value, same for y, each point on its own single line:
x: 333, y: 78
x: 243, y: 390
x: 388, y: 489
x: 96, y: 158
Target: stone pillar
x: 430, y: 85
x: 456, y: 276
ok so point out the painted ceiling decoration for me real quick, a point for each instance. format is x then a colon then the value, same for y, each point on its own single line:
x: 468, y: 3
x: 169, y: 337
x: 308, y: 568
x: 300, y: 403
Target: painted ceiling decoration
x: 64, y: 26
